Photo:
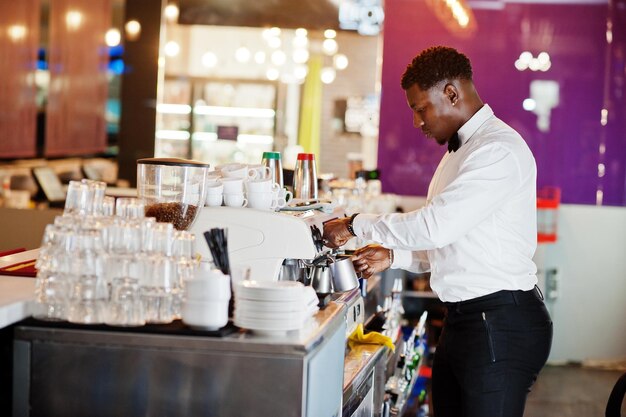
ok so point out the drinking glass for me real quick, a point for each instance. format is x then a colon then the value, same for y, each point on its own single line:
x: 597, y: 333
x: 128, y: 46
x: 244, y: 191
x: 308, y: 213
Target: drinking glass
x: 108, y: 206
x: 159, y: 238
x: 158, y: 289
x: 125, y: 306
x: 130, y: 208
x: 76, y: 198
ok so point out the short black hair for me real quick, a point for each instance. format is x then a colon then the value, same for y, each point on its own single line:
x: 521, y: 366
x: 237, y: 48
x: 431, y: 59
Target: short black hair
x: 435, y: 64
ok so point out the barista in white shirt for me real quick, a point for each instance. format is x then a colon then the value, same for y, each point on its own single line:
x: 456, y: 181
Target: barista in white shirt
x: 476, y: 235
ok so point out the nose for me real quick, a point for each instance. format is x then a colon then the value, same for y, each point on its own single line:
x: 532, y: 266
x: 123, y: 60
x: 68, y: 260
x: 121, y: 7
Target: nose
x: 417, y: 120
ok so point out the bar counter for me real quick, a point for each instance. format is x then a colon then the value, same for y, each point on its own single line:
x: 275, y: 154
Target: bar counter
x: 136, y: 371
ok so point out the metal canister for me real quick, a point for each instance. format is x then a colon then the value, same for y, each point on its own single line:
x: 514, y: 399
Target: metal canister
x: 305, y: 177
x: 272, y: 160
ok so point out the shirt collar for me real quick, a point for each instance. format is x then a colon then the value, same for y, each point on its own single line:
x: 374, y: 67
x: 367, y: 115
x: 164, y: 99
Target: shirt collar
x: 471, y: 126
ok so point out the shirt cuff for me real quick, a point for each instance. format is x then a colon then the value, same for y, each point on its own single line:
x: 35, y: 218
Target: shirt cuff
x: 402, y: 259
x: 362, y: 225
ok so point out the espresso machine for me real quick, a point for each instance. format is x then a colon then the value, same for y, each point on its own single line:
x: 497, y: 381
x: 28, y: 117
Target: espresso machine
x: 265, y: 240
x: 279, y: 245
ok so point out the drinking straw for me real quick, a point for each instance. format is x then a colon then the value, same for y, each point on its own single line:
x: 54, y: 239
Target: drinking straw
x: 218, y: 245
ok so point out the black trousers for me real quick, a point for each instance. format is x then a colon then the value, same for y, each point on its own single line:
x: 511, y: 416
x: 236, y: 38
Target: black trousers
x: 489, y: 354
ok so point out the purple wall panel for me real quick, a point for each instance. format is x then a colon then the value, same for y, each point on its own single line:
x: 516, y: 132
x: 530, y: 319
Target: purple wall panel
x: 568, y: 153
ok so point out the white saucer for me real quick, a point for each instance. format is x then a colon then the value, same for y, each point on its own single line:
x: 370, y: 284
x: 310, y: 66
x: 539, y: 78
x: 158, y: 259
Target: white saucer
x: 270, y: 290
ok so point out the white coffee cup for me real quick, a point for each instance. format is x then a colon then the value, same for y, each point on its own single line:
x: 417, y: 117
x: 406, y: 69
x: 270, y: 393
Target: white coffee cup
x: 208, y: 284
x: 260, y: 171
x: 281, y: 197
x: 262, y: 201
x: 227, y: 167
x: 213, y: 176
x: 214, y: 193
x: 232, y: 185
x: 235, y: 200
x: 214, y: 200
x: 239, y: 171
x: 265, y: 185
x: 205, y: 315
x: 213, y: 181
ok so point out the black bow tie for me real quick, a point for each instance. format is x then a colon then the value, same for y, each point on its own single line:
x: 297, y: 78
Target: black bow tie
x: 453, y: 143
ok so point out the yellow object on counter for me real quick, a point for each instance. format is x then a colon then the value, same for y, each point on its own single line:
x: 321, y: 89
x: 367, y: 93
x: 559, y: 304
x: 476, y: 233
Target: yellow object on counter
x: 374, y: 338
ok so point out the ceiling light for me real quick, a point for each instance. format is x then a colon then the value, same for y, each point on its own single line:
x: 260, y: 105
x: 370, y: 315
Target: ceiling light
x: 259, y: 57
x: 340, y: 61
x: 173, y: 108
x: 300, y: 42
x: 16, y: 32
x: 534, y: 64
x: 242, y: 54
x: 274, y: 31
x: 329, y: 46
x: 133, y: 30
x: 330, y: 34
x: 234, y: 111
x: 521, y: 65
x: 328, y: 75
x: 171, y: 13
x: 209, y: 59
x: 274, y: 42
x: 529, y: 104
x: 278, y: 58
x: 73, y: 19
x: 300, y: 56
x: 300, y: 72
x: 543, y: 57
x: 301, y: 32
x: 272, y: 74
x: 171, y: 48
x: 526, y: 57
x: 112, y: 37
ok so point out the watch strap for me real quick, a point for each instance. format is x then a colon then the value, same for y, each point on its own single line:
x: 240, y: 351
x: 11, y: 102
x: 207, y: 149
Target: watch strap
x: 349, y: 225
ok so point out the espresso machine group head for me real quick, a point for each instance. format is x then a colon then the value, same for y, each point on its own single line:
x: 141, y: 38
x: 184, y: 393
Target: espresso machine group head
x: 263, y: 239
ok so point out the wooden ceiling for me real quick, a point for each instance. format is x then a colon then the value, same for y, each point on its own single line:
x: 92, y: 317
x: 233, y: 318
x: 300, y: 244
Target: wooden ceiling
x: 310, y: 14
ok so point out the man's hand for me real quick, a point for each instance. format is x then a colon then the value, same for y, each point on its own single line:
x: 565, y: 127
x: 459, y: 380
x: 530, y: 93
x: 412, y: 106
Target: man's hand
x: 371, y: 259
x: 336, y: 232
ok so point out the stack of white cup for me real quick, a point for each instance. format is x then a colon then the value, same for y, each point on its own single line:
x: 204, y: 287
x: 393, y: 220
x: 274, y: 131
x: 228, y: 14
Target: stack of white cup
x: 206, y: 298
x: 234, y: 192
x: 240, y: 185
x: 263, y: 194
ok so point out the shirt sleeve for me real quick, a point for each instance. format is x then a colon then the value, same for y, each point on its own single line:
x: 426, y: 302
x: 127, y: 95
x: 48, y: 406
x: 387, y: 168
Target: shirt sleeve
x: 413, y: 261
x: 485, y: 179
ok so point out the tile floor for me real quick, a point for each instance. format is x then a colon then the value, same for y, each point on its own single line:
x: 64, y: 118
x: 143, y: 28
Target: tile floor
x: 571, y: 391
x: 566, y: 391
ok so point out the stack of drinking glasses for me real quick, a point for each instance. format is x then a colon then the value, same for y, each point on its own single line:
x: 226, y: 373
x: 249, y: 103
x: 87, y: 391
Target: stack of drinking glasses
x: 122, y: 269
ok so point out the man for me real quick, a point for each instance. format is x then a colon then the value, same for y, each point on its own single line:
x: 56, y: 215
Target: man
x: 476, y: 235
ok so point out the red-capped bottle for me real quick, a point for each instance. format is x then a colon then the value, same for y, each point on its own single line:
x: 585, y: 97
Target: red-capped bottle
x: 305, y: 177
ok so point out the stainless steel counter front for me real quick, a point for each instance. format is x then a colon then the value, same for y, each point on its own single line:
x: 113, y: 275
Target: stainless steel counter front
x: 102, y: 373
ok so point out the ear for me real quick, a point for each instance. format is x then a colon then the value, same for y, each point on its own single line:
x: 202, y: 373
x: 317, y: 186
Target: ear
x: 451, y: 93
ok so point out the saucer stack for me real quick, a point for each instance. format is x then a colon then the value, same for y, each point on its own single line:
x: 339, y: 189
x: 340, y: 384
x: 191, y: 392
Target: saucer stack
x: 273, y: 308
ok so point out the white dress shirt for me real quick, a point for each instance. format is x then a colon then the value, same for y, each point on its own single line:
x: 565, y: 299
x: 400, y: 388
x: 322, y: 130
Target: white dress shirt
x: 477, y: 232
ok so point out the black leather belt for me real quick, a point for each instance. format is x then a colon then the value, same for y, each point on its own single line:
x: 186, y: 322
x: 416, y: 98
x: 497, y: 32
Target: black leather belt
x: 496, y: 299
